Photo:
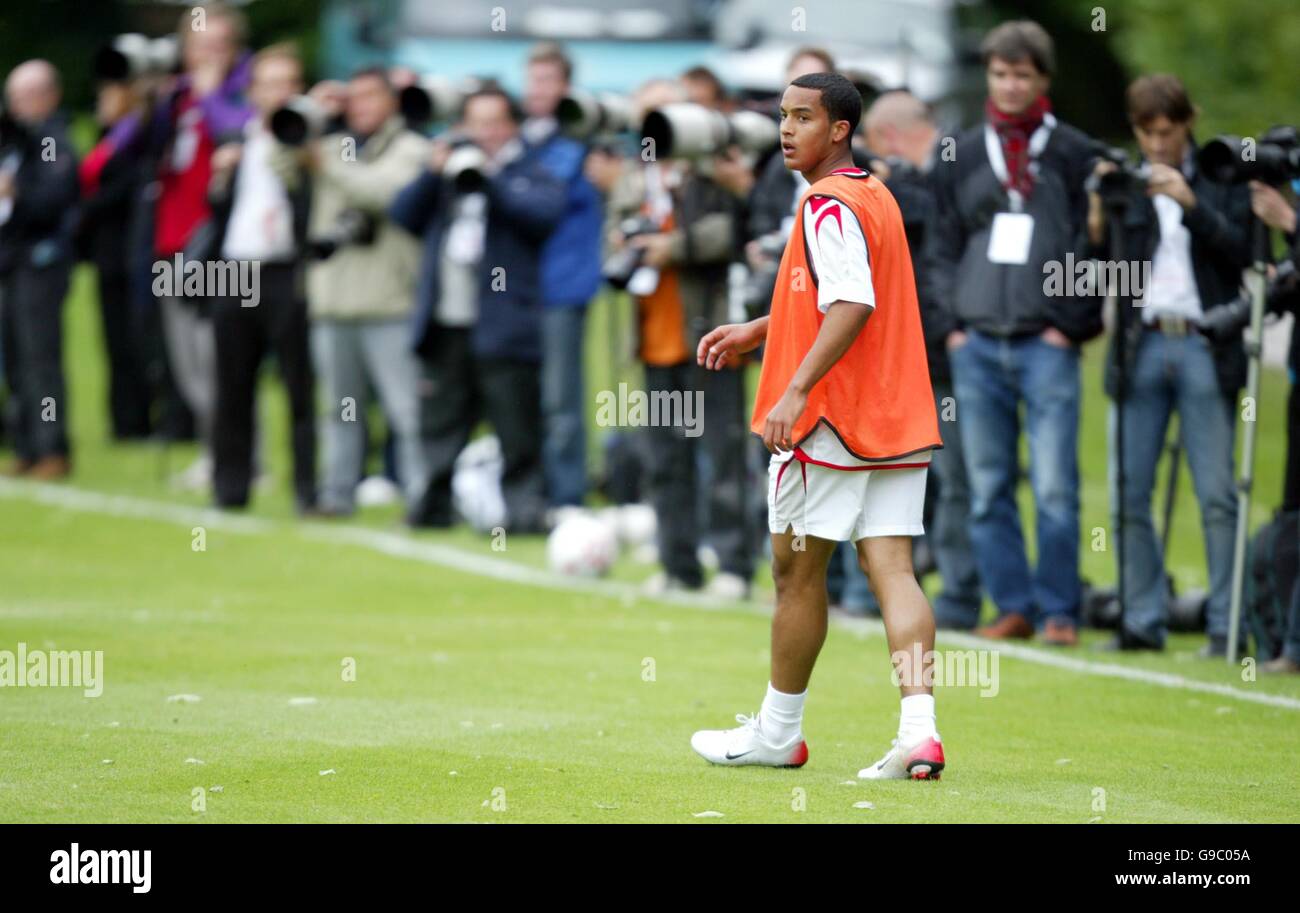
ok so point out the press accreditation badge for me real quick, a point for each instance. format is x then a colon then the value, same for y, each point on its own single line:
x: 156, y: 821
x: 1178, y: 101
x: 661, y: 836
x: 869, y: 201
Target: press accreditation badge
x: 1010, y: 238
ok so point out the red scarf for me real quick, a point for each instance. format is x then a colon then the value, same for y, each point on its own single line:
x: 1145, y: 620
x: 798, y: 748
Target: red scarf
x: 1014, y: 130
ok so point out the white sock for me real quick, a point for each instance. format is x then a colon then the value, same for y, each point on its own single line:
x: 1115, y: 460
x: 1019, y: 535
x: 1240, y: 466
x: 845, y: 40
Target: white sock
x: 916, y: 719
x: 781, y: 716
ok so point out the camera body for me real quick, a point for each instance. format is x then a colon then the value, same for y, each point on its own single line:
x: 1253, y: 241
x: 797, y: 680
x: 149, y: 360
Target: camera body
x: 1127, y: 180
x: 353, y: 227
x: 620, y: 266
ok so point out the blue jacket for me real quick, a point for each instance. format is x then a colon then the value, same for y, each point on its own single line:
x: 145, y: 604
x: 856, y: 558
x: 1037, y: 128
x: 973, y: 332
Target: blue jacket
x: 571, y: 258
x: 524, y: 205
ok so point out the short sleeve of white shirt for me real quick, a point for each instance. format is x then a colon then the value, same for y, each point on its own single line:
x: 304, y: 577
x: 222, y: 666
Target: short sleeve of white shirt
x: 837, y: 248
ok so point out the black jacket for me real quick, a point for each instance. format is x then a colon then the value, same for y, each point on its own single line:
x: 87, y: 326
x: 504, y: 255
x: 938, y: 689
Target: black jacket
x: 915, y: 192
x: 1221, y: 226
x: 525, y: 202
x: 1001, y: 299
x: 39, y: 230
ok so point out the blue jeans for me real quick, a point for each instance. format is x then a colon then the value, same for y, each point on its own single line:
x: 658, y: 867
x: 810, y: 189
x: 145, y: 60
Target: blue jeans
x: 1175, y: 373
x: 991, y: 378
x: 564, y: 401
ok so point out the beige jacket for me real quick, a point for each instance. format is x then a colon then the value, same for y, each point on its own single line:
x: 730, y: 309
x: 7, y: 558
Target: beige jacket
x: 376, y: 280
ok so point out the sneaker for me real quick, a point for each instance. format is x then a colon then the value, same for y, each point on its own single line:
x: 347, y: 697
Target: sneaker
x: 746, y: 745
x: 728, y: 586
x: 921, y: 760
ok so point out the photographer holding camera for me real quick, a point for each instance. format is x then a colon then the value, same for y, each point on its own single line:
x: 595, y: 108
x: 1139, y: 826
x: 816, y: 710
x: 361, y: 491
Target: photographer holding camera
x: 1274, y: 209
x: 200, y: 110
x: 260, y: 219
x: 484, y: 206
x: 361, y: 289
x: 676, y: 234
x: 1196, y: 235
x: 38, y: 198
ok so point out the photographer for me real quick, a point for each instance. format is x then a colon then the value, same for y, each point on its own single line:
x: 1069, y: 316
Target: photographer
x: 686, y: 237
x: 260, y: 220
x: 111, y: 176
x: 38, y: 196
x: 570, y: 277
x: 203, y: 109
x: 1273, y: 209
x: 361, y: 290
x: 477, y: 325
x: 1011, y: 204
x: 1196, y: 235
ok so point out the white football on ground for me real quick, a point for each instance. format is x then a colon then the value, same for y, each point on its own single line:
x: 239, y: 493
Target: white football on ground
x: 581, y: 546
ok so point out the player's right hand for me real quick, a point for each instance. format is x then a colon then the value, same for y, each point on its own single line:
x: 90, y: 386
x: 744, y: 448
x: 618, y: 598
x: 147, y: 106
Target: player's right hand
x: 723, y: 346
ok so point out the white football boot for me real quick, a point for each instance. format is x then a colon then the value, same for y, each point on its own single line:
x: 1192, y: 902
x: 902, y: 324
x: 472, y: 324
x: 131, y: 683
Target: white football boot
x: 921, y: 760
x: 746, y: 745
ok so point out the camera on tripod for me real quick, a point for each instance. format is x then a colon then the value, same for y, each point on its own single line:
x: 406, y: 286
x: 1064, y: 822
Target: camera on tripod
x: 1272, y: 159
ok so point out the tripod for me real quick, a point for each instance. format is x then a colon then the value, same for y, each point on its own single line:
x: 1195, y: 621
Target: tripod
x: 1257, y: 287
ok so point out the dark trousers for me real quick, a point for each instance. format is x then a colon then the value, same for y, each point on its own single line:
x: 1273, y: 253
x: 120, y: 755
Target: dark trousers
x: 128, y: 385
x: 458, y: 389
x: 244, y: 336
x: 31, y: 331
x: 675, y: 486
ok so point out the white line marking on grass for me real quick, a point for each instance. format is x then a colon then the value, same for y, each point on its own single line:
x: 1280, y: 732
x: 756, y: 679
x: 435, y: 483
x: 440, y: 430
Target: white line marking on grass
x: 403, y: 546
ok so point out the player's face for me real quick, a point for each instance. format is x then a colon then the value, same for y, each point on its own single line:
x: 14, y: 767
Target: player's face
x: 807, y: 135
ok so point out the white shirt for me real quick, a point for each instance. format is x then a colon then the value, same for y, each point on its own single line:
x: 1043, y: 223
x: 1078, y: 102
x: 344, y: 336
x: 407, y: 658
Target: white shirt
x: 837, y: 250
x: 1173, y: 281
x: 261, y: 219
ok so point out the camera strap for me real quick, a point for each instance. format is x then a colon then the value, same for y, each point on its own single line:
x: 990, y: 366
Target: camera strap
x: 998, y: 162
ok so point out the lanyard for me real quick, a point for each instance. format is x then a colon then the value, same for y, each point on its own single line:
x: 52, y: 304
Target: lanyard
x: 1037, y: 143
